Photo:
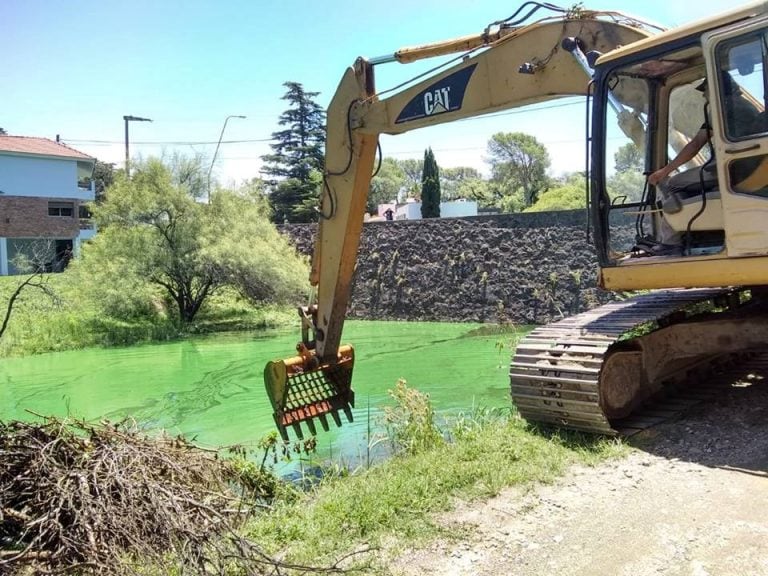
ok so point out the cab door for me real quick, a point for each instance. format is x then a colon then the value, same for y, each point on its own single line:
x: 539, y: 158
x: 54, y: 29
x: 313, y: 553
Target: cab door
x: 736, y: 68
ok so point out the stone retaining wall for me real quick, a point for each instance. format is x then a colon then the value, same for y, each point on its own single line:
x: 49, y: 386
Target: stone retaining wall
x: 521, y: 268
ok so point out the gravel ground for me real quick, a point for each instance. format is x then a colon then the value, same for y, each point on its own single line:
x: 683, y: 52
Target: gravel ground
x: 691, y: 500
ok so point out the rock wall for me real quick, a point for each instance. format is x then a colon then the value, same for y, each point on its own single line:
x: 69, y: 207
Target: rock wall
x: 521, y: 268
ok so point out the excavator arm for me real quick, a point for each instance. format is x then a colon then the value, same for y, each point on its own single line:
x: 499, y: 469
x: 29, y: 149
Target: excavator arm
x: 515, y: 65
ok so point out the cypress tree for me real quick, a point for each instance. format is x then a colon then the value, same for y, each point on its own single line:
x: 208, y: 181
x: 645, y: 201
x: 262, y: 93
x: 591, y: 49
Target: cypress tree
x: 430, y: 186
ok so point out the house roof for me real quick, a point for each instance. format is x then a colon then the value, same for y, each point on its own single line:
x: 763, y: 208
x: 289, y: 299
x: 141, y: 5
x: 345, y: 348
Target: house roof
x: 39, y: 146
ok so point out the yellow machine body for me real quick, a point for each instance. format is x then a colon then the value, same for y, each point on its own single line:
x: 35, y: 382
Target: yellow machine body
x: 638, y: 78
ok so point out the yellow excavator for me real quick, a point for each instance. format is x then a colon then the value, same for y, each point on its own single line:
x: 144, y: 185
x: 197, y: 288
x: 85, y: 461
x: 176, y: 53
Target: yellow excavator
x: 695, y: 243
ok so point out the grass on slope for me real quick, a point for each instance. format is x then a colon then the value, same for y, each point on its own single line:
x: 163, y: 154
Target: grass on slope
x: 394, y: 504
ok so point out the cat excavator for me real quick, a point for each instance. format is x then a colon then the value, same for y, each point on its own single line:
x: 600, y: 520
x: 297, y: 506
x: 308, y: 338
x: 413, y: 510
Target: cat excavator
x: 696, y: 254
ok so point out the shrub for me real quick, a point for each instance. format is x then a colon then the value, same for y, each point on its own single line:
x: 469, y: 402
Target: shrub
x: 410, y: 424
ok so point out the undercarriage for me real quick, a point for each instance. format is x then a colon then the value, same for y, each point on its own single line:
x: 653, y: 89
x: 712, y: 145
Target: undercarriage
x: 593, y: 371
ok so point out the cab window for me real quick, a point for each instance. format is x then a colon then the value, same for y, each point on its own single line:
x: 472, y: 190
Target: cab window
x: 742, y: 83
x: 741, y: 63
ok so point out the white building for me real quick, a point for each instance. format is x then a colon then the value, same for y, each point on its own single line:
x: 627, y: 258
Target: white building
x: 411, y: 210
x: 42, y: 197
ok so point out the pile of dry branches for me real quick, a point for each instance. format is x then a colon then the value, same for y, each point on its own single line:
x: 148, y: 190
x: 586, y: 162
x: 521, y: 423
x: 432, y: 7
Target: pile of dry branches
x: 108, y: 499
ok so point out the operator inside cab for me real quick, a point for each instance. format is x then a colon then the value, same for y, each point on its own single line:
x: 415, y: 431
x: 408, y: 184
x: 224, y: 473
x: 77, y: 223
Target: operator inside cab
x: 693, y: 194
x: 694, y: 180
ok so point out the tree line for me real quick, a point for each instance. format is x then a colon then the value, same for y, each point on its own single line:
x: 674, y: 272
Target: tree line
x: 293, y: 171
x: 159, y: 243
x: 518, y: 172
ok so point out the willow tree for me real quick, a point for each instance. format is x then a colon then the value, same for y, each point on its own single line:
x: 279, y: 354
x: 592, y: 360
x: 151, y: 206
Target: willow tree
x: 153, y: 230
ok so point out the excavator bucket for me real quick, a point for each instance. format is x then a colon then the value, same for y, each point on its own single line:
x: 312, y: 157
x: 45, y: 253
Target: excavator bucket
x: 301, y: 389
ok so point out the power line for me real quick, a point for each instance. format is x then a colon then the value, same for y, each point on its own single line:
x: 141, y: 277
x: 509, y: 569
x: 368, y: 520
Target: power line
x: 522, y: 111
x: 473, y: 148
x: 254, y: 140
x: 458, y: 149
x: 167, y: 143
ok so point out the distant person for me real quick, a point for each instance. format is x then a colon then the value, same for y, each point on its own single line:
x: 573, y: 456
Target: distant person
x: 389, y: 214
x: 66, y: 257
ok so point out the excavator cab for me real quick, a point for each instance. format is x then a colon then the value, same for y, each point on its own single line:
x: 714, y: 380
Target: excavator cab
x: 705, y: 224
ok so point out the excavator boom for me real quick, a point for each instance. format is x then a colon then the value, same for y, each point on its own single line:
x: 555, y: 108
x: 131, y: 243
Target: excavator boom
x: 516, y: 65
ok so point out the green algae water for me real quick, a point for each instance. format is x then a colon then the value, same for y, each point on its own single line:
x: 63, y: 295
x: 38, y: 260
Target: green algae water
x: 211, y: 389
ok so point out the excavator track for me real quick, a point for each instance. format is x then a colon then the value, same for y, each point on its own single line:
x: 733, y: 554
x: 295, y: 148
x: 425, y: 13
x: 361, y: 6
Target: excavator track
x: 556, y: 371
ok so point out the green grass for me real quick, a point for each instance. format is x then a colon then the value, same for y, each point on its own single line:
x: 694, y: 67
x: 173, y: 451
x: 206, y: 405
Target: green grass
x: 67, y: 321
x: 394, y: 505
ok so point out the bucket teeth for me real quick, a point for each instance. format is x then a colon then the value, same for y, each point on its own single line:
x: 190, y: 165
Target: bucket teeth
x: 348, y: 410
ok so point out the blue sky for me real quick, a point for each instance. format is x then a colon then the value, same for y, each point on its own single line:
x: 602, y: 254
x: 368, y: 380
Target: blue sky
x: 76, y: 68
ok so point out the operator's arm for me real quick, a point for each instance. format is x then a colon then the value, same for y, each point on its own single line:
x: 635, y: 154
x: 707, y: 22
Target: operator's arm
x: 687, y: 154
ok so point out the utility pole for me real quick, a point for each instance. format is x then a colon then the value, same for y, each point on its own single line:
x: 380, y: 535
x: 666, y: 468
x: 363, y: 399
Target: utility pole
x: 127, y: 157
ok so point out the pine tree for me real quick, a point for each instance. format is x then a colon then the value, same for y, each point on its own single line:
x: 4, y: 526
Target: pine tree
x: 430, y: 187
x: 297, y: 156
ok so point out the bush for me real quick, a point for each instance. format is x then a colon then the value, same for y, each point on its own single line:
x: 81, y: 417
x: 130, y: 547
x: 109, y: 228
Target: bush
x: 410, y: 424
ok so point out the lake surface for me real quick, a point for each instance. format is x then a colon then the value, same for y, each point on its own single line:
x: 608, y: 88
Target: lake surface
x: 211, y: 389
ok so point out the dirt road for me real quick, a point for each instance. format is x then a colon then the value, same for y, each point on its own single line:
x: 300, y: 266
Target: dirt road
x: 691, y: 500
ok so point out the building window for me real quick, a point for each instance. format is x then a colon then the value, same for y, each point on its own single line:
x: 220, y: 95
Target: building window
x: 63, y: 209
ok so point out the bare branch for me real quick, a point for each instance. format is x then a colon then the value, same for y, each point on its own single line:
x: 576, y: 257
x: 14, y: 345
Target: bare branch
x: 107, y: 499
x: 34, y: 263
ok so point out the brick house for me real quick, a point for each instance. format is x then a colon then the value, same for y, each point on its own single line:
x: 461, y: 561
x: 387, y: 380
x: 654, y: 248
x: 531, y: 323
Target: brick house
x: 42, y: 201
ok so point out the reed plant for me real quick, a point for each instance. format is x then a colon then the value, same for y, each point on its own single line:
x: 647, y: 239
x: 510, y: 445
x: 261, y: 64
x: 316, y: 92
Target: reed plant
x: 410, y: 423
